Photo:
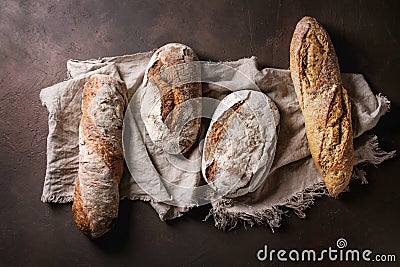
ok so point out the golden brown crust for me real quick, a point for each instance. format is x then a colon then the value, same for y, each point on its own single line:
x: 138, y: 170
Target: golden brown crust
x: 80, y: 217
x: 324, y: 102
x: 100, y: 142
x: 164, y: 74
x: 217, y: 129
x: 96, y: 195
x: 240, y: 142
x: 210, y: 171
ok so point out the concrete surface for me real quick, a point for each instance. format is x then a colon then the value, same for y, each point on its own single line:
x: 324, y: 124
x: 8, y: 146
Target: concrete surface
x: 36, y: 39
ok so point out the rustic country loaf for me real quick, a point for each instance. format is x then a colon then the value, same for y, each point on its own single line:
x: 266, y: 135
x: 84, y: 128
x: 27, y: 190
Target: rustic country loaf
x: 170, y: 101
x: 324, y: 102
x: 240, y: 142
x: 96, y: 197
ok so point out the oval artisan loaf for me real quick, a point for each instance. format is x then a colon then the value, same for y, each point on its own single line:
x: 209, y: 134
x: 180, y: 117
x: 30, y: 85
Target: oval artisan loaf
x: 324, y: 102
x: 96, y: 196
x: 240, y: 142
x: 170, y: 100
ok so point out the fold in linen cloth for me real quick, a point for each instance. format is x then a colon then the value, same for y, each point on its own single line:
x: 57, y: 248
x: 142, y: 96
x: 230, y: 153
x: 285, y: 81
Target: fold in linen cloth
x: 293, y: 182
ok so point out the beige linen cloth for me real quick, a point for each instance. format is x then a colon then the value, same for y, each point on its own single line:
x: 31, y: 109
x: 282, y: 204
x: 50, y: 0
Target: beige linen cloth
x: 293, y: 182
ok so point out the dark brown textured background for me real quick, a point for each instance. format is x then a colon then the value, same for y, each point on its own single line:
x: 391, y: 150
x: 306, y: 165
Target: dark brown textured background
x: 38, y: 37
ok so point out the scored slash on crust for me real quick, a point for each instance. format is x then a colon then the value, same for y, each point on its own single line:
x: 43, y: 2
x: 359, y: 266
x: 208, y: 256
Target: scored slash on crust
x: 240, y: 143
x: 171, y: 81
x: 324, y: 102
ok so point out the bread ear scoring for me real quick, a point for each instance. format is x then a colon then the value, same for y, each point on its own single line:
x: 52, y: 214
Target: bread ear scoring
x: 324, y: 103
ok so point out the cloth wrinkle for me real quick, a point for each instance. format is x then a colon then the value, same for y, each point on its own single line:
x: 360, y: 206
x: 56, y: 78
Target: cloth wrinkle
x: 292, y: 184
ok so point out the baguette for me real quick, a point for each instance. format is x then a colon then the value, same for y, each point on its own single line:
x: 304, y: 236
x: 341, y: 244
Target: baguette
x: 324, y: 103
x: 170, y: 103
x: 96, y: 196
x: 240, y: 142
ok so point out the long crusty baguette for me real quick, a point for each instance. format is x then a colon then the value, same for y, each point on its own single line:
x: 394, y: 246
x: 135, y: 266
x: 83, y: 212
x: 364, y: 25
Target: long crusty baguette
x: 171, y: 105
x: 96, y: 197
x: 324, y: 102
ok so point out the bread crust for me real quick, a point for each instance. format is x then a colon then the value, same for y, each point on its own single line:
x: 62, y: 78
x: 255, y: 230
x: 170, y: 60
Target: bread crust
x: 324, y: 102
x: 96, y: 196
x: 170, y: 103
x: 240, y: 141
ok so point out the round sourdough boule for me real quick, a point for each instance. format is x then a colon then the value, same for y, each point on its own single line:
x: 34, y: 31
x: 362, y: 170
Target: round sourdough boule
x: 170, y: 100
x: 240, y: 141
